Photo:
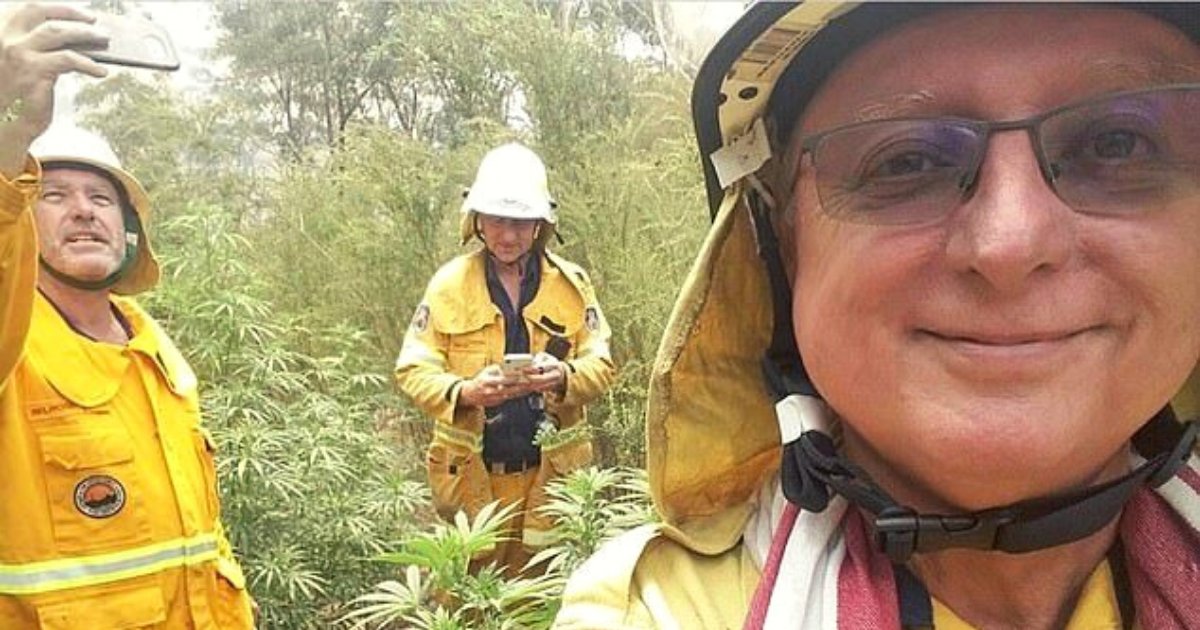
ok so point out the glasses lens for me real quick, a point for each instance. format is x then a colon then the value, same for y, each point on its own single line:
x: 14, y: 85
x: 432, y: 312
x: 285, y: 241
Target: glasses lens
x: 498, y: 222
x: 1126, y: 154
x: 895, y: 171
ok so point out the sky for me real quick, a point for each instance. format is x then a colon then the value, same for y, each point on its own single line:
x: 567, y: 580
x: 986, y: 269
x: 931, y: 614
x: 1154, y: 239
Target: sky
x: 191, y: 31
x: 190, y: 26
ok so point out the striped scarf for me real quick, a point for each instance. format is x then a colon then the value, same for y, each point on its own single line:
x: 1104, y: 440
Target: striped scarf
x: 821, y: 572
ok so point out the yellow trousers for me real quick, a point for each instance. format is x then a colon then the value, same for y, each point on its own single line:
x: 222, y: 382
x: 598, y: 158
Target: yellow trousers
x: 511, y: 489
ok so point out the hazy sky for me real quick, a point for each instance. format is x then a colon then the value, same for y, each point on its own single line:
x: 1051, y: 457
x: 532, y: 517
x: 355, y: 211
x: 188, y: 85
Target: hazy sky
x: 190, y: 25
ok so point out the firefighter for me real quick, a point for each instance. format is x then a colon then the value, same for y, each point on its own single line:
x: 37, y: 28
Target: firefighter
x: 110, y: 515
x: 506, y: 424
x: 932, y: 365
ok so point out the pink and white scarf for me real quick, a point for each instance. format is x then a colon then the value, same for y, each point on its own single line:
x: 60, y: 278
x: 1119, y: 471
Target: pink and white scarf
x: 821, y: 572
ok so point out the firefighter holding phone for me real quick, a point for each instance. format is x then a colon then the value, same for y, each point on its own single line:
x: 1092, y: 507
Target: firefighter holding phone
x: 505, y: 349
x: 110, y: 516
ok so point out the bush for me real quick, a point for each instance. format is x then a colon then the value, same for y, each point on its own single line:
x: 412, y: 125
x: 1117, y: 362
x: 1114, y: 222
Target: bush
x: 308, y: 490
x: 436, y: 588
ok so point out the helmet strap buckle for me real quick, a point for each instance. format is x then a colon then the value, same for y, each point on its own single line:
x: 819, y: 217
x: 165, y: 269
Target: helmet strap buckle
x: 900, y: 531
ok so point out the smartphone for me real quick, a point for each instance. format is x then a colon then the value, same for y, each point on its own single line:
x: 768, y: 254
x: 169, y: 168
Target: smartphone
x: 134, y: 42
x: 515, y: 364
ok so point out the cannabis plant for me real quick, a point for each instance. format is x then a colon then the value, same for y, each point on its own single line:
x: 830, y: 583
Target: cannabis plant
x: 440, y: 588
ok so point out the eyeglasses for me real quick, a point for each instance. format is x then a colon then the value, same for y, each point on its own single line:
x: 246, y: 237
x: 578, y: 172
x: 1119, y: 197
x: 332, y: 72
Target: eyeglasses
x: 498, y: 222
x: 1122, y: 153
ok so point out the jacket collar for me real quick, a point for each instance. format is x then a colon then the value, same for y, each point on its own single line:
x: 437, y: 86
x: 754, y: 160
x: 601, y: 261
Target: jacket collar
x: 465, y: 304
x: 89, y: 373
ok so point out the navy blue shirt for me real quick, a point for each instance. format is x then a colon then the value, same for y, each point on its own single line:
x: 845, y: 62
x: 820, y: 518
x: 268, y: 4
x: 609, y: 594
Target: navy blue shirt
x: 508, y: 437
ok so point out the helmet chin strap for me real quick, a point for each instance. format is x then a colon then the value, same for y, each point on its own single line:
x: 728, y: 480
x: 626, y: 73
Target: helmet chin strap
x: 813, y: 469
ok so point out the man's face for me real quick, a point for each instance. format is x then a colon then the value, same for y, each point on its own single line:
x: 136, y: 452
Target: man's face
x: 80, y: 228
x: 507, y: 239
x: 1012, y: 347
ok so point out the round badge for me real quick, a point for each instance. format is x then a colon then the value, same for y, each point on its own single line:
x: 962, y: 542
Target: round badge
x: 99, y: 496
x: 420, y: 319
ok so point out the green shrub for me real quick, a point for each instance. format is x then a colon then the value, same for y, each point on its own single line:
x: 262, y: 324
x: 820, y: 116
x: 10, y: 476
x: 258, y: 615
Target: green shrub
x: 437, y: 589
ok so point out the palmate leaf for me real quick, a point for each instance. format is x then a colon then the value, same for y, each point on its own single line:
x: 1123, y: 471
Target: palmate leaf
x: 391, y: 601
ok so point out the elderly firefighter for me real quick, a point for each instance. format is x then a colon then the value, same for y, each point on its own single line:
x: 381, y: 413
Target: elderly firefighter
x: 110, y: 515
x: 504, y: 427
x: 931, y: 366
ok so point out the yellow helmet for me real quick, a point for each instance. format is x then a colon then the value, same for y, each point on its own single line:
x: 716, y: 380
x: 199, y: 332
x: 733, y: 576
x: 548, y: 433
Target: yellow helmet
x: 67, y: 145
x: 705, y: 457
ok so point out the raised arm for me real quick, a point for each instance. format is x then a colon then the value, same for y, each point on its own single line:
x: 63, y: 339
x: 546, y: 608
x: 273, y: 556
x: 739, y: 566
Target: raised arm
x: 33, y: 54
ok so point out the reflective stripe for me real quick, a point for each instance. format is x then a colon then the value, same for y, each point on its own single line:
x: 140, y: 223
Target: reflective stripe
x: 538, y: 537
x: 55, y: 575
x: 417, y: 353
x: 579, y: 433
x: 598, y: 346
x: 466, y: 439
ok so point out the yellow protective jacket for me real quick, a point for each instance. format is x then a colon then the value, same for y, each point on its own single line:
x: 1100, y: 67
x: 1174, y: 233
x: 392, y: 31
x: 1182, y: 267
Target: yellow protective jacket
x: 646, y: 580
x: 456, y: 332
x: 110, y: 515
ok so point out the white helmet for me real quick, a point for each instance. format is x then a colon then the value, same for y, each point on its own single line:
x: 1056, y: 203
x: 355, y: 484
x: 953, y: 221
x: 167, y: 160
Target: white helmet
x: 510, y: 182
x: 64, y: 144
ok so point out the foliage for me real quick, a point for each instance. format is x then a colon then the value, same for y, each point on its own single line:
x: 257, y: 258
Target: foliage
x: 302, y: 207
x: 426, y: 69
x: 438, y: 589
x: 441, y: 591
x: 589, y: 507
x: 307, y: 489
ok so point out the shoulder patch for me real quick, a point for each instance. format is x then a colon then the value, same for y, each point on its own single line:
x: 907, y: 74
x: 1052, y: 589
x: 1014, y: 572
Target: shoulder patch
x: 420, y: 320
x: 591, y: 318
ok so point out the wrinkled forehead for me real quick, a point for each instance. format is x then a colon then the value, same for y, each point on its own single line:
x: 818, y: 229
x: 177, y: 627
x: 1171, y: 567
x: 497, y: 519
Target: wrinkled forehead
x: 934, y: 60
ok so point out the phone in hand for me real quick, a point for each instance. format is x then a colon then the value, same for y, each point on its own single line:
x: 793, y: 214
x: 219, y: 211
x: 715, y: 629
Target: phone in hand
x: 514, y: 365
x: 134, y: 42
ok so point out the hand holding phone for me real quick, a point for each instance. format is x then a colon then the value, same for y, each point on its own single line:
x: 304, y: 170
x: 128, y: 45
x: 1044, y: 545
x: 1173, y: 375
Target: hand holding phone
x: 134, y: 42
x: 33, y: 38
x: 497, y: 383
x: 548, y: 374
x: 515, y: 365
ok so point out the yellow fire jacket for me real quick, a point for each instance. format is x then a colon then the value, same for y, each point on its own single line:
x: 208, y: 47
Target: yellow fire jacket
x: 645, y: 580
x: 456, y: 332
x: 110, y: 515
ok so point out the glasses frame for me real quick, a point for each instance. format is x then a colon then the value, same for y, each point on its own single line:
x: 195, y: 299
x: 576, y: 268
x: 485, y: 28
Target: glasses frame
x: 503, y: 222
x: 811, y: 143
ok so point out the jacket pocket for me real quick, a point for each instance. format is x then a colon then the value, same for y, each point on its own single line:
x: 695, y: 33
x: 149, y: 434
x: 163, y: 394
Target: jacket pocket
x: 457, y: 480
x: 118, y: 606
x: 467, y: 363
x: 206, y: 450
x: 556, y: 462
x: 92, y: 484
x: 569, y: 457
x: 232, y: 608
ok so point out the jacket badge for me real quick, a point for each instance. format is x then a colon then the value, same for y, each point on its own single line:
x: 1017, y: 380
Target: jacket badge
x: 591, y: 318
x: 420, y: 320
x: 99, y: 496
